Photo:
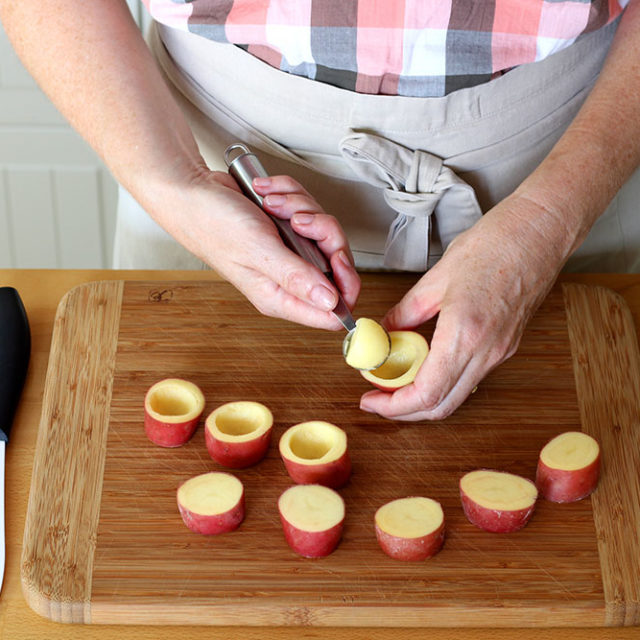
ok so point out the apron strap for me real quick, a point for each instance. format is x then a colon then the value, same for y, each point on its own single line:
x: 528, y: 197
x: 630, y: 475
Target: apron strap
x: 415, y: 184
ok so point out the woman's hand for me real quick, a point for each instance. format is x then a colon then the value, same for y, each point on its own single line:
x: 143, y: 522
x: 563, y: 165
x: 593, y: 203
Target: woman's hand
x: 239, y: 241
x: 493, y: 277
x: 485, y: 288
x: 98, y: 71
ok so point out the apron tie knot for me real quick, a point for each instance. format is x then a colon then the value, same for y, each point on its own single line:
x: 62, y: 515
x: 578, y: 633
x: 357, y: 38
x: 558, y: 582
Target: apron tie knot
x: 415, y: 184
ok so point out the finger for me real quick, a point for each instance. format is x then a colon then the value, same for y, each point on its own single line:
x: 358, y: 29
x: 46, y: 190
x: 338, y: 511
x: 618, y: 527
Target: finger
x: 306, y: 216
x: 272, y: 300
x: 445, y: 367
x: 421, y: 303
x: 308, y: 220
x: 285, y: 268
x: 278, y: 184
x: 325, y: 230
x: 346, y: 277
x: 417, y: 401
x: 287, y: 205
x: 458, y: 395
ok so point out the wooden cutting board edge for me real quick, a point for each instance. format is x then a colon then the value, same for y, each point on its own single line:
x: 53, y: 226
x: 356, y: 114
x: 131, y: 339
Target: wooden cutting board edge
x: 66, y: 595
x: 600, y: 312
x: 71, y: 539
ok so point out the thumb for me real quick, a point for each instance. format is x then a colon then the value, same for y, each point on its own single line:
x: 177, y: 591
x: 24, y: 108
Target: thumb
x: 418, y: 305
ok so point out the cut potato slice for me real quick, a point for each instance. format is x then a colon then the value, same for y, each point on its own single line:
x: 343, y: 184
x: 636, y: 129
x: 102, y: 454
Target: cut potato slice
x: 408, y: 351
x: 237, y: 434
x: 410, y: 528
x: 568, y: 467
x: 312, y: 519
x: 172, y: 410
x: 211, y: 503
x: 315, y: 452
x: 497, y: 501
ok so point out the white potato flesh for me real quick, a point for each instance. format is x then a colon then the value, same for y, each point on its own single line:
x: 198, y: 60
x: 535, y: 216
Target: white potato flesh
x: 239, y: 421
x: 498, y: 490
x: 369, y: 346
x: 311, y: 507
x: 174, y: 400
x: 210, y: 494
x: 570, y: 451
x: 412, y: 517
x: 401, y: 359
x: 313, y: 442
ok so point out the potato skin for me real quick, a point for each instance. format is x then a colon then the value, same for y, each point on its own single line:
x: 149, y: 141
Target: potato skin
x: 559, y: 485
x: 213, y: 525
x: 411, y: 549
x: 334, y: 474
x: 238, y: 455
x: 387, y: 387
x: 493, y: 520
x: 169, y: 434
x: 312, y: 544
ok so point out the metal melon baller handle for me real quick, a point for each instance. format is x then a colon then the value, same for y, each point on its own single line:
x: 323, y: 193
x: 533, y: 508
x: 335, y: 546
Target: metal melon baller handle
x: 244, y: 166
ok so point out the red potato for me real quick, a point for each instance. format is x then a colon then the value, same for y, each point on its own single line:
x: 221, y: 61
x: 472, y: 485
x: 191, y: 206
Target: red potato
x: 238, y: 434
x: 316, y: 452
x: 410, y: 528
x: 312, y: 519
x: 172, y: 410
x: 568, y: 467
x: 408, y: 351
x: 496, y: 501
x: 211, y: 503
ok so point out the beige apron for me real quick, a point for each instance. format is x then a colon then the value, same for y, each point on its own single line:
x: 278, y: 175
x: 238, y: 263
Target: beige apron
x: 403, y: 175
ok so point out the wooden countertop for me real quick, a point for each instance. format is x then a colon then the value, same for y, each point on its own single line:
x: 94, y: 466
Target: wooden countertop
x: 41, y: 291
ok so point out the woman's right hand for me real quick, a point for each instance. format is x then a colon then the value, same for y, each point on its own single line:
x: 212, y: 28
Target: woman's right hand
x: 238, y: 240
x: 96, y: 68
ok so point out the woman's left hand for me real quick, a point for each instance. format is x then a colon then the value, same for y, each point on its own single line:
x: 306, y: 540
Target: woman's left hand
x: 484, y: 289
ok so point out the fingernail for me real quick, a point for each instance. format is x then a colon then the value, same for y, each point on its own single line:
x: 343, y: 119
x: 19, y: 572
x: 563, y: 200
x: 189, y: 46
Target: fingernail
x: 261, y: 182
x: 274, y: 200
x: 323, y: 298
x: 302, y: 218
x: 366, y: 408
x: 344, y: 258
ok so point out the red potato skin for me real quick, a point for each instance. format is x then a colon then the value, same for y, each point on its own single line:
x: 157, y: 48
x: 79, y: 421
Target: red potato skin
x: 493, y: 520
x: 389, y: 388
x: 214, y: 525
x: 558, y: 485
x: 237, y: 455
x: 411, y: 549
x: 312, y: 544
x: 334, y: 474
x: 167, y: 434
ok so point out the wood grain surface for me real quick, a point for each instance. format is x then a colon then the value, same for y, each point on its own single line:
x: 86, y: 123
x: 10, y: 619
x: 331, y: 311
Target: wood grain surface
x: 610, y: 412
x: 132, y: 560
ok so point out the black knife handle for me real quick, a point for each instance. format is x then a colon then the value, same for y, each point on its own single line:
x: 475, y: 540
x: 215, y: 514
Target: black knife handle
x: 15, y: 350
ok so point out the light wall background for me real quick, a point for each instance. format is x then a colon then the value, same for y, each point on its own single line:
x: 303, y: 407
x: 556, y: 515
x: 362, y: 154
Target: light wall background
x: 57, y: 199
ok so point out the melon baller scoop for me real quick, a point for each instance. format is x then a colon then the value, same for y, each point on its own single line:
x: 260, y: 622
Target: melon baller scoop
x: 244, y: 166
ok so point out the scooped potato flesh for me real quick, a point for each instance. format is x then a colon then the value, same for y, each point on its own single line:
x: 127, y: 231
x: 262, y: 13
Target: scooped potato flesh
x: 369, y: 346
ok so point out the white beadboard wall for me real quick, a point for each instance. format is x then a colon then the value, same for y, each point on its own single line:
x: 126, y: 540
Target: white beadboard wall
x: 57, y: 199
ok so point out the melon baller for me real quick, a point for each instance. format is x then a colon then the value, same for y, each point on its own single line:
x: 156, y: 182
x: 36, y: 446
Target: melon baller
x: 244, y: 166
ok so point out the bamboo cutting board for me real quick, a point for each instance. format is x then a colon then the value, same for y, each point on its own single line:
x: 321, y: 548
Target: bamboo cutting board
x: 104, y: 542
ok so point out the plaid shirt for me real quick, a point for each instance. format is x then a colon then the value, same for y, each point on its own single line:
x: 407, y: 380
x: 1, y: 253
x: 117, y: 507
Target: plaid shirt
x: 394, y: 47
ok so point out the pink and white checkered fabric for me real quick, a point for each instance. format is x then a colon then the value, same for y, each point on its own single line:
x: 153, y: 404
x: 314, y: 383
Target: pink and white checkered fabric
x: 425, y: 48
